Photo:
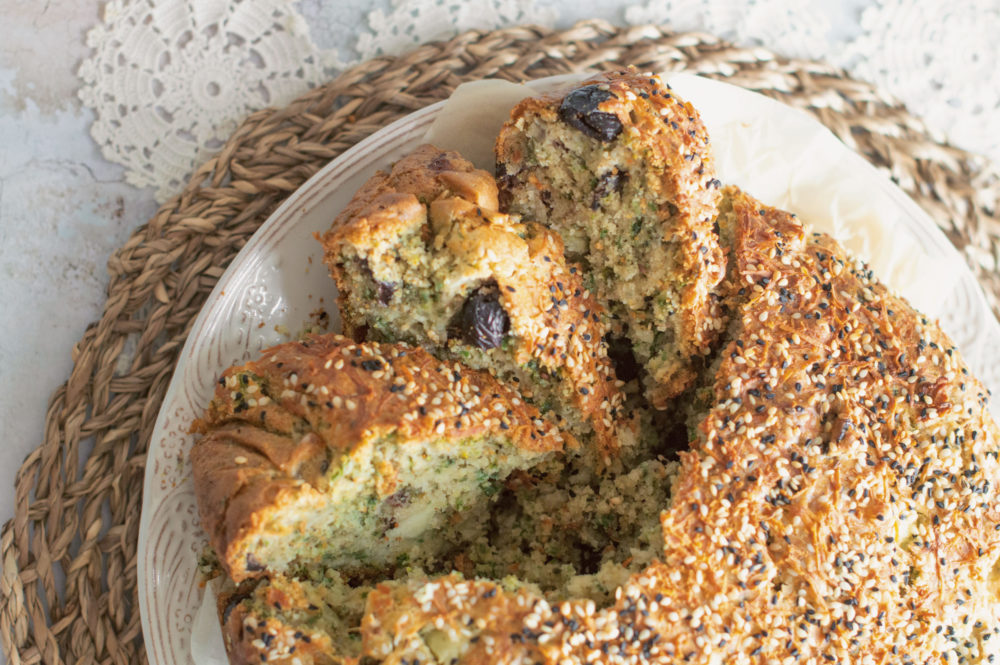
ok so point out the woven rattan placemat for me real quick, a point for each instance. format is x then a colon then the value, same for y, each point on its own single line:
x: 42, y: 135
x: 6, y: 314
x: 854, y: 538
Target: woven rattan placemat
x: 79, y: 495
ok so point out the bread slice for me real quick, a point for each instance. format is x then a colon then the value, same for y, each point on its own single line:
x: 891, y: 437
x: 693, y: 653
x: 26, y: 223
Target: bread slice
x: 436, y: 266
x: 353, y: 455
x: 619, y: 166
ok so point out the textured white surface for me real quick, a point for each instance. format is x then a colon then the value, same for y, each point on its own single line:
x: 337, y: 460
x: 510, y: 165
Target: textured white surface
x: 64, y: 208
x: 169, y: 79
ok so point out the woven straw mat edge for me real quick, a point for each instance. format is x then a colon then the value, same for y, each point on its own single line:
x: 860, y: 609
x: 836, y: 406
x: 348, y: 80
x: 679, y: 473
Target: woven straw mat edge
x: 79, y: 495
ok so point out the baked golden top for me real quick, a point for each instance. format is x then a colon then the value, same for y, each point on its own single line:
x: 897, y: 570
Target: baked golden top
x: 838, y: 505
x: 251, y: 638
x: 838, y: 502
x: 427, y: 173
x: 670, y: 130
x: 277, y: 425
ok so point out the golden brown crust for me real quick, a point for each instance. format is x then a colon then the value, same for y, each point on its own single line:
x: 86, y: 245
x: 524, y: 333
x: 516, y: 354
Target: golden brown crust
x: 428, y: 173
x: 554, y: 320
x: 276, y: 425
x: 674, y: 145
x: 838, y: 505
x: 840, y: 501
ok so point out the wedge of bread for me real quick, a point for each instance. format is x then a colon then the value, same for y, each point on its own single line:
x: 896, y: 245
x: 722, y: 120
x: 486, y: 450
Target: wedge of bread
x: 352, y: 455
x: 435, y: 265
x: 620, y: 167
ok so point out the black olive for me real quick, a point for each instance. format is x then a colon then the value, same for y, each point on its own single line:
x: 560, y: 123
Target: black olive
x: 611, y: 181
x: 385, y: 291
x: 484, y: 321
x: 253, y: 565
x: 441, y: 162
x: 506, y: 182
x: 579, y: 110
x: 399, y: 498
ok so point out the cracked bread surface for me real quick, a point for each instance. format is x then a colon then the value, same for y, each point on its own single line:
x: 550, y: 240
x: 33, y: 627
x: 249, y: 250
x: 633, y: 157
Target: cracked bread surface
x: 444, y: 270
x: 839, y: 501
x: 535, y: 545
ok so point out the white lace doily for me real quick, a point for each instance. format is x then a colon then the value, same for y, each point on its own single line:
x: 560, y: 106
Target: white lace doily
x: 942, y: 59
x: 170, y: 80
x: 791, y: 28
x: 410, y: 23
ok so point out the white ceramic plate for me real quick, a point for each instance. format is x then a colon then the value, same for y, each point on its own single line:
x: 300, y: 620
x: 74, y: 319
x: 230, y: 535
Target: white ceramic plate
x: 277, y: 285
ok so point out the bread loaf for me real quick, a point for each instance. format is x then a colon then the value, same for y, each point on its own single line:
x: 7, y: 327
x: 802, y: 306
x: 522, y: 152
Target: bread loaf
x: 352, y: 455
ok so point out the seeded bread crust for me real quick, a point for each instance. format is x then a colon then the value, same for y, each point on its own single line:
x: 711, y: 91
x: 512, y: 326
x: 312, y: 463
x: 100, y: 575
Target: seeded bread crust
x: 839, y: 503
x: 277, y: 425
x: 250, y: 638
x: 554, y: 321
x: 666, y: 136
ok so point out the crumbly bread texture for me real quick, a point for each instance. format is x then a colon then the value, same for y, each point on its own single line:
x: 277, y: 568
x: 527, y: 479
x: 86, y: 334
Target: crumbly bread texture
x: 421, y: 260
x: 838, y: 503
x: 835, y: 498
x: 352, y: 455
x: 560, y: 536
x: 620, y: 167
x: 734, y: 204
